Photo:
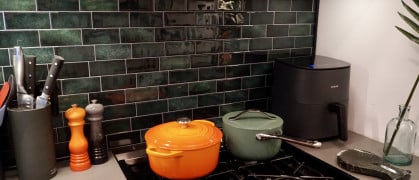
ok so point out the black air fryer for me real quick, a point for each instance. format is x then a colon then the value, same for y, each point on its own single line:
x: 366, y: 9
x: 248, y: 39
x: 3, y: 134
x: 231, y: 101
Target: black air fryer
x: 311, y: 96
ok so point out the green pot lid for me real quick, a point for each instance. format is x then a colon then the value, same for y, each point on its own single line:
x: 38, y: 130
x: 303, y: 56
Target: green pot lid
x: 252, y: 120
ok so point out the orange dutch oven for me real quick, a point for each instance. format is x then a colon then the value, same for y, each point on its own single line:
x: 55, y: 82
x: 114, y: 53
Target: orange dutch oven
x: 183, y: 149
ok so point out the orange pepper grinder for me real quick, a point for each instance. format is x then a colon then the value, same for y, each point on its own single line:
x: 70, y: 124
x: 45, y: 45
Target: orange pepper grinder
x: 78, y: 146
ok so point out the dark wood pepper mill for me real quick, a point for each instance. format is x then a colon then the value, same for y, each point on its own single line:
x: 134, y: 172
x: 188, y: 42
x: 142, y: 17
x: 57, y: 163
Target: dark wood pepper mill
x: 97, y: 148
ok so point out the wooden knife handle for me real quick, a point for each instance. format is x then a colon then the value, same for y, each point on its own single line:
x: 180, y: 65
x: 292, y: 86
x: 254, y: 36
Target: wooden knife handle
x: 56, y: 65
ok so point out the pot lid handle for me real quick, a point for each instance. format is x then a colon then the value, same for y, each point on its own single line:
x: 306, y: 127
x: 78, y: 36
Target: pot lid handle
x: 236, y: 117
x: 183, y: 122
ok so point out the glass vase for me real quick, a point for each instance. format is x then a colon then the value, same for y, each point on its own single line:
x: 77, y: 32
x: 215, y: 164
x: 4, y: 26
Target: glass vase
x: 401, y: 137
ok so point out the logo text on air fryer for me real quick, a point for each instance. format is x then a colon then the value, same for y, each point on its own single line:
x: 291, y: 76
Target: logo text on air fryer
x: 334, y: 86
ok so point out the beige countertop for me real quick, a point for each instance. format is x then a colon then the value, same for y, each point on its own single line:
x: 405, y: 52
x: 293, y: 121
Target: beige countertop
x: 327, y: 153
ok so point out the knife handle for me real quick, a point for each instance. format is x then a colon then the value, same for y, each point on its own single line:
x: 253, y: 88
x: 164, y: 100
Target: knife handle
x: 56, y: 65
x: 18, y: 68
x: 30, y: 78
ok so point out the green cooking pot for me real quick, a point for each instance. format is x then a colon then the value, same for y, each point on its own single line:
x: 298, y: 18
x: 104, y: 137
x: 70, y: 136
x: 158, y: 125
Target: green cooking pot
x: 240, y: 129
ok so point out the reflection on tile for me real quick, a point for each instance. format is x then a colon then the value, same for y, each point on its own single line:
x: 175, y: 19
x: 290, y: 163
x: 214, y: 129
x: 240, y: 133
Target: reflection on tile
x: 230, y: 58
x: 236, y: 45
x: 236, y: 5
x: 142, y: 94
x: 236, y: 18
x: 254, y: 31
x: 209, y: 18
x: 170, y: 5
x: 43, y: 55
x: 227, y: 32
x: 179, y: 19
x: 208, y: 46
x: 201, y: 33
x: 109, y: 97
x: 179, y: 48
x: 206, y: 5
x: 170, y: 34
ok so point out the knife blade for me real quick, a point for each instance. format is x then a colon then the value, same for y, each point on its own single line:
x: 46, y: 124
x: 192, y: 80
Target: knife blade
x: 23, y: 98
x: 42, y: 100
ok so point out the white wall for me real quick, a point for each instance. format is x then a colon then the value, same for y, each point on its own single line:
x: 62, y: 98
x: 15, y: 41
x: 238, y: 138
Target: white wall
x: 384, y: 64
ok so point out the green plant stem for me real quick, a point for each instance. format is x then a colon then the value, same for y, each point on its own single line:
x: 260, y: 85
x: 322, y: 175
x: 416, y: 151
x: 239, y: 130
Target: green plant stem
x: 401, y: 116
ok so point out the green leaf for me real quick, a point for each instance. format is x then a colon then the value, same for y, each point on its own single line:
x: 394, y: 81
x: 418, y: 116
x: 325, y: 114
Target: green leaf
x: 410, y: 36
x: 411, y: 11
x: 412, y: 24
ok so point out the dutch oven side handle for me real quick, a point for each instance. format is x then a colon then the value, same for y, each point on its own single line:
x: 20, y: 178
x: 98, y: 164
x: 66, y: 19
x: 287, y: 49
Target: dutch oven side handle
x: 236, y: 117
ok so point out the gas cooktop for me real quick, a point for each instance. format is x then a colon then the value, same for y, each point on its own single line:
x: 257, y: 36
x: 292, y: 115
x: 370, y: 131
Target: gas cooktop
x: 289, y: 163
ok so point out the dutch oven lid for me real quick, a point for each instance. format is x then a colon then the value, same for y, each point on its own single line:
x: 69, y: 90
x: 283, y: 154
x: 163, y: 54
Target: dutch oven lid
x: 184, y: 134
x: 252, y: 120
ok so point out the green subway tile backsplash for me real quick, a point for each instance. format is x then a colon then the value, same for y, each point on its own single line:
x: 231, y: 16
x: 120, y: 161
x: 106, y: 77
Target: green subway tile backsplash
x: 27, y: 20
x: 152, y: 61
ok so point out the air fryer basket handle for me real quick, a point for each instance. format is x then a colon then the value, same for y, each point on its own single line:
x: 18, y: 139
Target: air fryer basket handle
x: 341, y: 112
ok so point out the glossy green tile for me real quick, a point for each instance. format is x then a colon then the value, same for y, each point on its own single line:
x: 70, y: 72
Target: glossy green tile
x: 306, y: 17
x: 258, y: 93
x: 8, y: 39
x: 301, y: 52
x: 256, y: 5
x: 211, y: 73
x: 99, y: 5
x: 66, y: 101
x: 21, y: 5
x: 254, y: 31
x: 254, y: 82
x: 119, y: 111
x: 206, y: 112
x: 142, y: 65
x: 129, y: 5
x: 63, y: 134
x: 115, y: 51
x: 283, y: 42
x: 43, y: 55
x: 304, y: 42
x: 26, y: 20
x: 255, y: 57
x: 261, y: 104
x: 1, y: 22
x: 274, y: 54
x: 183, y: 103
x: 210, y: 99
x: 208, y: 46
x: 145, y: 122
x: 201, y: 33
x: 173, y: 116
x: 261, y: 18
x: 99, y: 68
x: 260, y: 44
x: 76, y: 53
x: 4, y: 57
x: 175, y: 62
x: 146, y: 19
x: 109, y: 97
x: 179, y: 48
x: 118, y: 82
x: 302, y: 5
x: 202, y: 87
x: 100, y: 36
x: 262, y: 68
x: 152, y: 107
x: 231, y: 58
x: 172, y: 5
x: 277, y: 30
x: 147, y: 50
x: 142, y: 94
x: 71, y: 20
x: 236, y: 96
x: 81, y: 85
x: 110, y: 19
x: 285, y: 17
x: 60, y: 37
x: 152, y: 79
x: 279, y: 5
x: 209, y: 18
x: 299, y: 30
x: 201, y: 5
x: 224, y: 109
x: 204, y: 60
x: 137, y: 35
x: 236, y: 45
x: 236, y: 18
x: 179, y: 76
x: 53, y: 5
x: 116, y: 126
x: 236, y: 71
x: 226, y: 32
x: 170, y: 34
x: 74, y: 70
x: 234, y: 5
x: 179, y: 18
x: 171, y: 91
x: 229, y: 84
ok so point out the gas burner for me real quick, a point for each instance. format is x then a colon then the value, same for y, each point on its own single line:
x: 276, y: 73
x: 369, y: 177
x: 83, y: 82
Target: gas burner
x: 290, y: 163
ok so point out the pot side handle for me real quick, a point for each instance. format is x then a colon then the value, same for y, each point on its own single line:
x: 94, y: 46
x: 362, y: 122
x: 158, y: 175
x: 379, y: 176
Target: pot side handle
x: 169, y: 154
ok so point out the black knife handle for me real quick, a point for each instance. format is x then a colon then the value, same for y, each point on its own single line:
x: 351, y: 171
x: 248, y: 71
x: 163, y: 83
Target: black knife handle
x: 56, y: 64
x: 30, y: 71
